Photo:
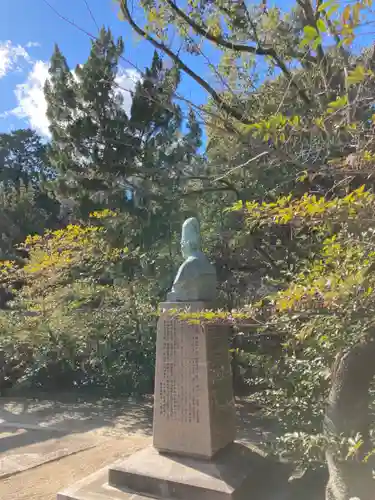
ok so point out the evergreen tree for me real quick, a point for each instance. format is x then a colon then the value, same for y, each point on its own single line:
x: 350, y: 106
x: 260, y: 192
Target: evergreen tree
x: 167, y: 153
x: 22, y: 158
x: 91, y: 146
x: 22, y: 213
x: 26, y: 206
x: 105, y: 158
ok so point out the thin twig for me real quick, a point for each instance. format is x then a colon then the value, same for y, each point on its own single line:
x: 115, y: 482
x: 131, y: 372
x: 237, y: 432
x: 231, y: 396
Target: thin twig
x: 260, y: 155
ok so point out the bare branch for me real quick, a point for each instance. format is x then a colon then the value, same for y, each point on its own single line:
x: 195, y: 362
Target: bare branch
x: 229, y: 185
x: 231, y: 110
x: 221, y: 41
x: 260, y: 155
x: 230, y: 129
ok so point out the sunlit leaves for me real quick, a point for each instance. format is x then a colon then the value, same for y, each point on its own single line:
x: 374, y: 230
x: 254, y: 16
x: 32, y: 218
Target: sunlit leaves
x: 321, y: 26
x: 311, y: 37
x: 325, y: 5
x: 358, y: 75
x: 276, y: 127
x: 338, y: 104
x: 346, y: 14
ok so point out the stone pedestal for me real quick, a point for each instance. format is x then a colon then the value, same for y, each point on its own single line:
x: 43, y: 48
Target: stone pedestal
x: 194, y: 412
x: 235, y: 473
x: 193, y: 456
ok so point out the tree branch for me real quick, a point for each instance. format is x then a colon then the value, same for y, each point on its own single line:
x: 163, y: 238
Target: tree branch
x: 231, y: 110
x: 230, y: 186
x: 207, y: 190
x: 311, y: 19
x: 221, y: 41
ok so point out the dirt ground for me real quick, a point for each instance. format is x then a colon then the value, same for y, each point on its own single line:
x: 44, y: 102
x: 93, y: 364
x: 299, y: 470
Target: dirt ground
x: 43, y: 482
x: 61, y: 441
x: 46, y: 445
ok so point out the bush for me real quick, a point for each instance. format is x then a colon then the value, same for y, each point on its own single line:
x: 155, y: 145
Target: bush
x: 85, y: 311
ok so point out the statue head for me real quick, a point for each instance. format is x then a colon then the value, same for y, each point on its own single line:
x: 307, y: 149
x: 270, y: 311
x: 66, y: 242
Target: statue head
x: 190, y: 238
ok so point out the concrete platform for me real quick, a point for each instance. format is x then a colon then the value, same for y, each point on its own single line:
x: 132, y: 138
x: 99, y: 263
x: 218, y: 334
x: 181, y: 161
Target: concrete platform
x: 236, y: 473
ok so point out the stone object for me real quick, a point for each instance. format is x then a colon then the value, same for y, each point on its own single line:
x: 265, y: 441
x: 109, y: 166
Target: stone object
x: 196, y: 277
x: 237, y: 473
x: 234, y: 474
x: 194, y: 456
x: 194, y: 411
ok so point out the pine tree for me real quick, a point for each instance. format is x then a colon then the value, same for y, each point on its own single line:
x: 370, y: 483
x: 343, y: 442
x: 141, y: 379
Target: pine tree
x: 108, y: 159
x: 91, y: 145
x: 166, y: 152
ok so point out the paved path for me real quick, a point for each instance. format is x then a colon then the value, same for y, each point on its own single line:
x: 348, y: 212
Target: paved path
x: 46, y: 445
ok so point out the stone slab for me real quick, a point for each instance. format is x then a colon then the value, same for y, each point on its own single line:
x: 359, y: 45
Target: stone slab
x: 236, y: 474
x: 194, y: 412
x: 96, y: 487
x: 232, y: 474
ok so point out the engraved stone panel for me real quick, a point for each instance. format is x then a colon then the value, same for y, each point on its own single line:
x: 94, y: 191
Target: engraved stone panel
x: 194, y: 410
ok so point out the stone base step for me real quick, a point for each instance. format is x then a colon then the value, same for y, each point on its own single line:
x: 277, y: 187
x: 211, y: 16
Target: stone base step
x: 96, y: 487
x: 236, y: 473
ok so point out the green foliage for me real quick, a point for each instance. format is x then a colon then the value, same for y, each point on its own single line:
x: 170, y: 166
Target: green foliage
x: 25, y: 205
x: 22, y: 158
x: 88, y: 321
x: 109, y: 157
x: 290, y: 151
x: 24, y: 211
x: 324, y: 307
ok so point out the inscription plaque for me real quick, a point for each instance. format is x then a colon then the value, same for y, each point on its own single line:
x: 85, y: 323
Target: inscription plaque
x: 178, y: 387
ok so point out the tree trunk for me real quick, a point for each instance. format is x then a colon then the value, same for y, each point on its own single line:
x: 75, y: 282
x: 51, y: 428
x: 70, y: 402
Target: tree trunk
x: 347, y: 414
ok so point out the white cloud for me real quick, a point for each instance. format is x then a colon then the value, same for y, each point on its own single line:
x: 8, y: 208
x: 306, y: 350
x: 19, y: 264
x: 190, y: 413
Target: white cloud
x: 33, y: 44
x: 126, y: 81
x: 32, y: 105
x: 10, y: 57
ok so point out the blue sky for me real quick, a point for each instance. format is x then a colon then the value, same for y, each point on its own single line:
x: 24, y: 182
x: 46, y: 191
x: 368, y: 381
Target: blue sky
x: 28, y: 31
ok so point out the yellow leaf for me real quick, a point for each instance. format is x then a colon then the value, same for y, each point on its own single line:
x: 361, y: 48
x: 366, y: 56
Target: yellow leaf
x: 332, y: 10
x: 349, y: 39
x: 346, y: 14
x: 356, y: 13
x: 336, y: 105
x: 325, y: 5
x: 357, y: 75
x: 303, y: 177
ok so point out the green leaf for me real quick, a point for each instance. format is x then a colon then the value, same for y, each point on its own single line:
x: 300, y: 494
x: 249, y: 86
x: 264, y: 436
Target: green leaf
x: 357, y: 75
x: 339, y: 103
x: 325, y: 5
x: 317, y: 42
x: 321, y: 25
x: 331, y: 11
x: 310, y: 33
